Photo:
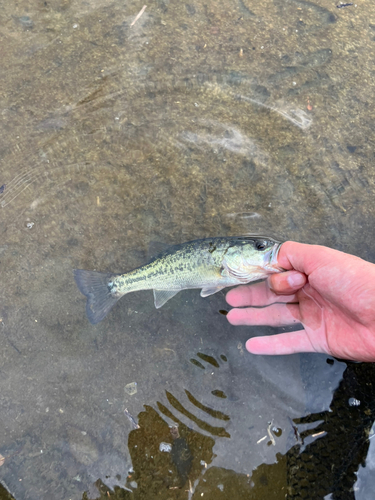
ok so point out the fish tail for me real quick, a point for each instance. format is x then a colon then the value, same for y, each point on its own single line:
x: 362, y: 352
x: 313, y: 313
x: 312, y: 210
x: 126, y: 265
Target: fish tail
x: 96, y: 287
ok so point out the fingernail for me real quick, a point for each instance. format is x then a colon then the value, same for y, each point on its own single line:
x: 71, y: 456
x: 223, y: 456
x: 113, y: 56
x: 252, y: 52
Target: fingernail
x: 296, y: 280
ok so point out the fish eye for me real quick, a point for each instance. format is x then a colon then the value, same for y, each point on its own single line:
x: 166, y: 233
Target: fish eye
x: 261, y: 245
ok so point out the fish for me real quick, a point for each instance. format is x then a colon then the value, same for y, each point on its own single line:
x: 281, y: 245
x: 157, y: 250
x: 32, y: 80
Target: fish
x: 210, y: 264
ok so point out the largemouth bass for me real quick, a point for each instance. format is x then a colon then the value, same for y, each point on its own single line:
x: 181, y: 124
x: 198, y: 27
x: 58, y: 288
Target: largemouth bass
x: 210, y: 264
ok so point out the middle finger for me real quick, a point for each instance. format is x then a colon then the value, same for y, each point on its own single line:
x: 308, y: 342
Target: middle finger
x: 274, y: 315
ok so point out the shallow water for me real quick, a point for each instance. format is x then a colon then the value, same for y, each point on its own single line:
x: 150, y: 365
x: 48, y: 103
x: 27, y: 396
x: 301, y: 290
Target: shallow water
x: 201, y: 119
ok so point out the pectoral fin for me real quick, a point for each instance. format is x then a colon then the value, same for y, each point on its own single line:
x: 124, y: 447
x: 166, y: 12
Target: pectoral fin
x: 205, y: 292
x: 162, y: 296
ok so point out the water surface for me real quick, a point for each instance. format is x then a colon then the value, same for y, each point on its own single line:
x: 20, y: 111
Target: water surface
x: 200, y: 119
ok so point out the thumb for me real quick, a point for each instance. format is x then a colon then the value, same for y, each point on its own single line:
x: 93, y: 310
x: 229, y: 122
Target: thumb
x: 287, y: 283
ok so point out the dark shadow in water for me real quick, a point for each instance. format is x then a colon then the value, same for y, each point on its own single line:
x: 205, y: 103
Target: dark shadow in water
x: 313, y: 468
x: 4, y: 495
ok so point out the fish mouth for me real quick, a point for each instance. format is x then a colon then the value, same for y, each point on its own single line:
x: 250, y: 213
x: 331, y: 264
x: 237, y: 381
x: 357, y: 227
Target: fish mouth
x: 272, y: 263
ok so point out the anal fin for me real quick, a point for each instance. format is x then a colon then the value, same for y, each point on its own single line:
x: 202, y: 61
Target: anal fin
x: 162, y: 296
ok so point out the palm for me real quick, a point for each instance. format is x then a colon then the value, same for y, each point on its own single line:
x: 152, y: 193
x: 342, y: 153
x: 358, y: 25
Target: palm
x: 331, y: 330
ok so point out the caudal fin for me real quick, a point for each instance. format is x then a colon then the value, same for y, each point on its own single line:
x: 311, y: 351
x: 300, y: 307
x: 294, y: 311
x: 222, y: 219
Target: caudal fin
x: 94, y: 285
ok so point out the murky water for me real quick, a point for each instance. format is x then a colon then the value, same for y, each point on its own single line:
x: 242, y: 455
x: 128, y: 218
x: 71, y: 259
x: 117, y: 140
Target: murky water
x: 199, y: 119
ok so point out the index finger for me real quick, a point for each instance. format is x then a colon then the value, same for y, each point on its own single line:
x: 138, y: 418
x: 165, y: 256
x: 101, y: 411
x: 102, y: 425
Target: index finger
x: 258, y: 294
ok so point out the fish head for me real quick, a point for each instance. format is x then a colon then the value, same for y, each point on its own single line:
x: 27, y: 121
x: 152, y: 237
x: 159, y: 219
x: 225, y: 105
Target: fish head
x: 252, y: 258
x: 262, y: 252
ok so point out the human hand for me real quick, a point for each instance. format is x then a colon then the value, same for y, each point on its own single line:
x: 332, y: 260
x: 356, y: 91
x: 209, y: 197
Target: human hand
x: 332, y: 294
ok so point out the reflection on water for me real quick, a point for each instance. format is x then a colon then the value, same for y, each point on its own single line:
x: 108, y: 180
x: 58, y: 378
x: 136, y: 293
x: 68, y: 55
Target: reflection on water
x: 314, y: 467
x: 199, y: 119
